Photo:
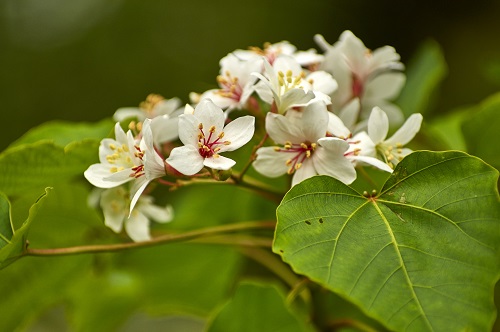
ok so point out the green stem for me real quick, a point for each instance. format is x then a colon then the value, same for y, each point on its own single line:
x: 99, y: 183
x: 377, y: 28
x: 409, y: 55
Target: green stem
x: 162, y: 239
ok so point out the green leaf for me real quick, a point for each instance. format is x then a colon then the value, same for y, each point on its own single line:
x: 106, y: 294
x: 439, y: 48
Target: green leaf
x: 425, y: 72
x: 64, y: 132
x: 6, y: 227
x: 33, y: 284
x: 40, y: 165
x: 256, y: 307
x: 423, y: 255
x: 481, y: 133
x: 183, y: 277
x: 447, y: 129
x: 14, y: 241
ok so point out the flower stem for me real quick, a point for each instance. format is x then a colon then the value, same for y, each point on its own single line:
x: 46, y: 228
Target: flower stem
x: 162, y: 239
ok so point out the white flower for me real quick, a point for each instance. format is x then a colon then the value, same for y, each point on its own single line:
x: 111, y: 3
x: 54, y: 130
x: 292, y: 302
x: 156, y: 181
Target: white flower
x: 306, y: 151
x: 127, y: 159
x: 235, y: 82
x: 391, y: 149
x: 372, y: 77
x: 163, y: 113
x: 272, y: 51
x: 115, y: 204
x: 204, y: 137
x: 361, y: 147
x: 284, y: 84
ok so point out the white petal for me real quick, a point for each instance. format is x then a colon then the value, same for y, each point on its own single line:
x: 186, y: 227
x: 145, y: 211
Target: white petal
x: 137, y: 227
x: 336, y: 126
x: 186, y: 160
x: 188, y: 129
x: 330, y: 160
x: 322, y: 43
x: 264, y: 89
x: 384, y: 86
x: 294, y: 98
x: 271, y: 163
x: 406, y: 133
x: 136, y: 191
x: 364, y: 144
x: 154, y: 166
x: 372, y: 161
x: 314, y: 122
x: 155, y: 212
x: 281, y: 129
x: 284, y: 63
x: 97, y: 173
x: 309, y: 57
x: 120, y: 135
x: 216, y: 97
x: 322, y: 81
x: 128, y: 112
x: 238, y: 132
x: 378, y: 125
x: 209, y: 114
x: 114, y: 206
x: 220, y: 163
x: 119, y: 177
x: 165, y: 129
x: 306, y: 171
x: 349, y: 114
x: 167, y: 106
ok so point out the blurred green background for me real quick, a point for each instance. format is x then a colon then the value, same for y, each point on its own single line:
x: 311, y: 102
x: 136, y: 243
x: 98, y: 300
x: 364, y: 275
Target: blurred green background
x: 81, y: 60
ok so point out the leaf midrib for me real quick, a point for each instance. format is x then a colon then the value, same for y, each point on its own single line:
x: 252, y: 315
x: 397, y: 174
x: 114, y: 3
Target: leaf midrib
x: 402, y: 264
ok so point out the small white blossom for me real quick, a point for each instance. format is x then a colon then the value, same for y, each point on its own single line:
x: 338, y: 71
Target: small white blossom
x: 286, y: 84
x: 361, y: 147
x: 163, y: 113
x: 372, y: 77
x: 126, y: 159
x: 115, y: 204
x: 391, y: 150
x: 204, y: 137
x: 235, y: 81
x: 304, y: 150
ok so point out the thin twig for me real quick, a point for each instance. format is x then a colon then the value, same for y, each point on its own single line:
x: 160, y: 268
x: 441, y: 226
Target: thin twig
x: 159, y: 240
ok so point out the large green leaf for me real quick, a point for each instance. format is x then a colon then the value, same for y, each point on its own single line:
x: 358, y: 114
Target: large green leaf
x: 256, y: 307
x: 425, y: 72
x: 13, y: 241
x: 65, y: 132
x: 423, y: 255
x: 40, y: 165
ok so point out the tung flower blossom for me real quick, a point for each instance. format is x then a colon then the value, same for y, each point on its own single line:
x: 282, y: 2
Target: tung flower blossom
x: 115, y: 204
x: 205, y: 137
x: 391, y: 150
x: 286, y: 84
x: 235, y: 81
x: 162, y: 112
x: 304, y: 150
x: 126, y: 159
x: 371, y: 77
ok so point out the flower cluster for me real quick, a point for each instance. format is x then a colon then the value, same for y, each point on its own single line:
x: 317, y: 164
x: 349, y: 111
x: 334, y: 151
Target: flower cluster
x: 322, y: 114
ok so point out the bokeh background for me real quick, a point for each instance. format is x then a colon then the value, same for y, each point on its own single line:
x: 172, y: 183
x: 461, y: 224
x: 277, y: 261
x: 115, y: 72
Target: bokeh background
x: 80, y: 60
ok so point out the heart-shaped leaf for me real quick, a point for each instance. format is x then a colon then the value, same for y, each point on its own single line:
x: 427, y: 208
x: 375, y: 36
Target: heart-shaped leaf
x: 423, y: 255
